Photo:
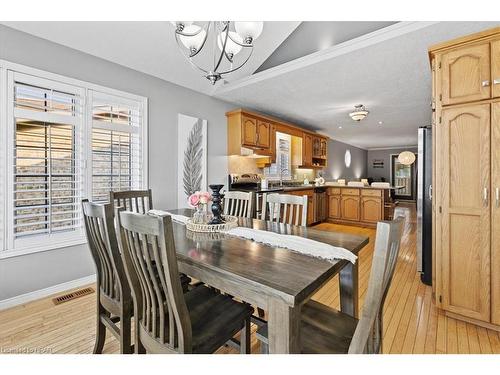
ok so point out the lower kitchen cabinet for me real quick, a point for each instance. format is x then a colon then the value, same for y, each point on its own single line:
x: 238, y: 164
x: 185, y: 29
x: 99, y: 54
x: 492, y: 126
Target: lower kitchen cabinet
x: 334, y: 206
x: 349, y: 208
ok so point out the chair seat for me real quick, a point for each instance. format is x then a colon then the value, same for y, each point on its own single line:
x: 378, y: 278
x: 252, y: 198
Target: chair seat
x: 215, y: 318
x: 323, y: 330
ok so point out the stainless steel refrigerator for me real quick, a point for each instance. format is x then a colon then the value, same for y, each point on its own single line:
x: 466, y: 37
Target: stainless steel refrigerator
x: 424, y: 204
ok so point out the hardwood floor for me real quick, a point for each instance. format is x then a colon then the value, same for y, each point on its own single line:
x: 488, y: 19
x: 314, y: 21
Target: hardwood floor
x: 412, y: 323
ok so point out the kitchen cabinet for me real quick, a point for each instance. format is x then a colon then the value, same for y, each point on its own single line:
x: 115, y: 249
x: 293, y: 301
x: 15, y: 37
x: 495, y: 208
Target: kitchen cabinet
x: 334, y: 206
x: 263, y: 134
x: 466, y: 74
x: 349, y: 207
x: 371, y: 209
x: 307, y: 150
x: 248, y: 131
x: 321, y: 206
x: 467, y: 187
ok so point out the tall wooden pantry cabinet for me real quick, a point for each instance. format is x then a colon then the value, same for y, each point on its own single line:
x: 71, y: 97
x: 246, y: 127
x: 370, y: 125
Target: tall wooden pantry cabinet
x: 466, y: 206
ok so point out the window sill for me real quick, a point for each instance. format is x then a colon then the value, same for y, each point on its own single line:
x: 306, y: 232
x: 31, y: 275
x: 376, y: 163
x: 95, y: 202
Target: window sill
x: 37, y: 248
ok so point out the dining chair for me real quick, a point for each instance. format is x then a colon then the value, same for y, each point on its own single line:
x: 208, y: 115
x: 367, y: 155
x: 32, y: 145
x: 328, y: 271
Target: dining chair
x: 140, y: 201
x: 238, y: 203
x: 114, y: 301
x: 168, y: 321
x: 327, y: 330
x: 285, y: 208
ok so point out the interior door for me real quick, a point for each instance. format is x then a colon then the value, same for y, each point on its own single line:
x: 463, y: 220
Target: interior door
x: 495, y: 213
x: 466, y: 211
x: 405, y: 176
x: 466, y: 74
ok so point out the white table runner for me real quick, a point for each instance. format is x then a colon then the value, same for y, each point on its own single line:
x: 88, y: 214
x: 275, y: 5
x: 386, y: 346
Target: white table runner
x: 295, y: 243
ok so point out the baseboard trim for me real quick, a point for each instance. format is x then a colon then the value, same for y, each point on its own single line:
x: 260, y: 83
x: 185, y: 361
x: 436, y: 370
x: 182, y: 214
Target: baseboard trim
x: 42, y: 293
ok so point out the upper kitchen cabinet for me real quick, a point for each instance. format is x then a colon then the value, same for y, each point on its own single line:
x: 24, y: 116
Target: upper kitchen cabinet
x: 252, y: 131
x: 466, y: 74
x: 495, y: 68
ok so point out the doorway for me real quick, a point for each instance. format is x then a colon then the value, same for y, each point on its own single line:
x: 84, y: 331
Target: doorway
x: 405, y: 176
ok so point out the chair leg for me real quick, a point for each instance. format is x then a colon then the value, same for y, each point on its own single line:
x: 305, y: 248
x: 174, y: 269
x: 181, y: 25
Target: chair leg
x: 245, y: 338
x: 100, y: 336
x: 125, y: 333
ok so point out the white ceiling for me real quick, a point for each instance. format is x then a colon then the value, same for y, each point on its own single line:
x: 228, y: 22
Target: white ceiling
x: 386, y: 70
x: 148, y: 47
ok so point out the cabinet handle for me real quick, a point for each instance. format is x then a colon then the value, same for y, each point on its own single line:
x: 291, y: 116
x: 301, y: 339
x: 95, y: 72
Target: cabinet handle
x: 485, y: 196
x: 497, y: 197
x: 485, y: 83
x: 496, y: 81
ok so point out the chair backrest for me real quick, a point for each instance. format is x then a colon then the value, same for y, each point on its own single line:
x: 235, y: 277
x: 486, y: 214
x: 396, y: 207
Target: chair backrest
x: 238, y: 203
x: 355, y: 183
x: 381, y: 184
x: 368, y: 335
x: 285, y: 208
x: 101, y: 236
x: 140, y: 201
x: 151, y: 264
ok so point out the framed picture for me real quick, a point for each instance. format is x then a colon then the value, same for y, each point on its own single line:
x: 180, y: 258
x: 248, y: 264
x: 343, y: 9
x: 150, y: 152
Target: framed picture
x: 191, y: 157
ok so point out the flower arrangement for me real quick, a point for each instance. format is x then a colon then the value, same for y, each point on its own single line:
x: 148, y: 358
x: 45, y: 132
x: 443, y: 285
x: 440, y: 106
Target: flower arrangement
x: 199, y: 198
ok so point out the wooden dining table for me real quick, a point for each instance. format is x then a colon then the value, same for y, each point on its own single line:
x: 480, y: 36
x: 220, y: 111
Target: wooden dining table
x: 275, y: 279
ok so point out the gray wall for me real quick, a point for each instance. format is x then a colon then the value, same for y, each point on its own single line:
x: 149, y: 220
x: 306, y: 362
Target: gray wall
x: 336, y: 165
x: 32, y: 272
x: 384, y: 155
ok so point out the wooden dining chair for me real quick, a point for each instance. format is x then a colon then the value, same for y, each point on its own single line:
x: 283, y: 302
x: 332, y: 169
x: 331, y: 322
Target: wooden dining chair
x: 140, y: 201
x: 114, y: 301
x: 285, y: 208
x: 168, y: 321
x: 238, y: 203
x: 327, y: 330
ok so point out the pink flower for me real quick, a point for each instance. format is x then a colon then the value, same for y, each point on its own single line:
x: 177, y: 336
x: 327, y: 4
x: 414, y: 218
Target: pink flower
x: 205, y: 197
x: 194, y: 199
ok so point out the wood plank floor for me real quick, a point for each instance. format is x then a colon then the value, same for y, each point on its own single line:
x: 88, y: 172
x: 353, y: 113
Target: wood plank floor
x: 412, y: 323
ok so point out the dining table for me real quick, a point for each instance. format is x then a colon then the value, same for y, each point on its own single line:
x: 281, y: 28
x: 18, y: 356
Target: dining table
x: 276, y: 279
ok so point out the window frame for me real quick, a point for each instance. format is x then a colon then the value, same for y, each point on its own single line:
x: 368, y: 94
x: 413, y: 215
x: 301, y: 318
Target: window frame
x: 7, y: 130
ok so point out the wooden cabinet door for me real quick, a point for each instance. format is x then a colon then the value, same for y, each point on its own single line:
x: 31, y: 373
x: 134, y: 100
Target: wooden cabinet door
x: 466, y: 74
x: 263, y: 134
x: 334, y: 206
x: 307, y: 150
x: 310, y: 210
x: 495, y: 213
x: 495, y: 69
x: 371, y: 209
x: 350, y: 208
x: 465, y: 218
x: 248, y: 131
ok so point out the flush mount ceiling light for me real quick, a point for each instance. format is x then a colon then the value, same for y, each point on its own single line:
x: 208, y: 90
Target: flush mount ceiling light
x: 229, y: 39
x: 406, y: 158
x: 359, y: 112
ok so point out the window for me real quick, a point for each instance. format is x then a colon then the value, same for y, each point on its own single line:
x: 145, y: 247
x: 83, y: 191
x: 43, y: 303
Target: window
x: 282, y: 167
x: 116, y: 145
x: 66, y: 140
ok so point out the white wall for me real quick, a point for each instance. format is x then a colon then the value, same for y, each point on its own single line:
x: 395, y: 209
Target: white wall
x: 27, y: 273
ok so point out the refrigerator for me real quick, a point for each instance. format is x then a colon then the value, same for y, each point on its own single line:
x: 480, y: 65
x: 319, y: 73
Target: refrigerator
x: 424, y: 204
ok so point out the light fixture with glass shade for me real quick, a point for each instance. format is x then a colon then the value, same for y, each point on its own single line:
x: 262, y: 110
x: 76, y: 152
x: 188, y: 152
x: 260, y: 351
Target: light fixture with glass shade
x: 229, y: 40
x: 406, y: 158
x: 359, y: 113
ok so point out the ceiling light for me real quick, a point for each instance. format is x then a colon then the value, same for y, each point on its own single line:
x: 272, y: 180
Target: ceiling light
x: 340, y: 127
x: 359, y: 112
x: 380, y: 122
x: 406, y: 158
x: 192, y: 39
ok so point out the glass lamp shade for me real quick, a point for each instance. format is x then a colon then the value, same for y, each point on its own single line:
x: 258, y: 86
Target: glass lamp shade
x: 347, y: 158
x: 193, y: 42
x: 406, y: 158
x: 249, y: 31
x: 232, y: 48
x: 359, y: 113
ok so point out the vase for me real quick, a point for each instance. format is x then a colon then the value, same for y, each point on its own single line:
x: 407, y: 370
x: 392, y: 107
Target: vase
x: 200, y: 215
x: 216, y: 204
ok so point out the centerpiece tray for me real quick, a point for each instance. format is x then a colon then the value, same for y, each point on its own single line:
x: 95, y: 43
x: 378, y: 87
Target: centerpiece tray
x: 230, y: 223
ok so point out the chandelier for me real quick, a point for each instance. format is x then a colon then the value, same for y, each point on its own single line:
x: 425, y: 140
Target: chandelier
x: 228, y: 40
x: 359, y: 112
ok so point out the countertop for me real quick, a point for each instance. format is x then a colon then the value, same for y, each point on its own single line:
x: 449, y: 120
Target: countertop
x: 276, y: 189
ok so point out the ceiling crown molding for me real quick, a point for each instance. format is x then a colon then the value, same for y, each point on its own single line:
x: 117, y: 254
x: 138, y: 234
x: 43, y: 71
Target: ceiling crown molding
x: 360, y: 42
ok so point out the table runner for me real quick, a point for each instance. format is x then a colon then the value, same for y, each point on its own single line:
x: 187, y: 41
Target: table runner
x: 291, y: 242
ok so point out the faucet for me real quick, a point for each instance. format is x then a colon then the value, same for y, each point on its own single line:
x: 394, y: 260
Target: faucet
x: 281, y: 170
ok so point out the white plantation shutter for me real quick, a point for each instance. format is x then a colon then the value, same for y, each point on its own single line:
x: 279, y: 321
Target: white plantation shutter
x: 47, y: 180
x: 117, y: 138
